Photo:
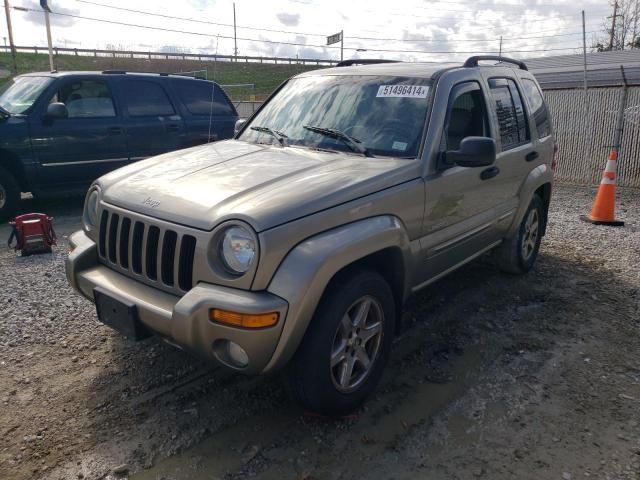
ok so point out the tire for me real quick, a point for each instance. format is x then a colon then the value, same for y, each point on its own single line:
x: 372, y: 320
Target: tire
x: 9, y: 195
x: 518, y: 254
x: 336, y: 334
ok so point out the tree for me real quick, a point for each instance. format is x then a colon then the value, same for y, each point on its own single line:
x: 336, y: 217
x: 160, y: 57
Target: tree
x: 624, y: 27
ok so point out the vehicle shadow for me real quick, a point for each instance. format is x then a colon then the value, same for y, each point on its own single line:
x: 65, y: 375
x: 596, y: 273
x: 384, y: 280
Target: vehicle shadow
x: 456, y: 329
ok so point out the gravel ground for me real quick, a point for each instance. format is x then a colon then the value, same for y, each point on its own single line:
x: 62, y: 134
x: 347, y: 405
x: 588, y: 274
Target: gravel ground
x: 497, y: 377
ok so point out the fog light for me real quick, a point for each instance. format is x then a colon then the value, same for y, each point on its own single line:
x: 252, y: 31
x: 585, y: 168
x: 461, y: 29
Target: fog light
x: 244, y: 320
x: 237, y: 354
x: 230, y: 353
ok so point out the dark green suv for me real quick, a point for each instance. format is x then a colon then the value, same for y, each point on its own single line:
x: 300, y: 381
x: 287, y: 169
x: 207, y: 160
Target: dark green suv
x: 61, y: 131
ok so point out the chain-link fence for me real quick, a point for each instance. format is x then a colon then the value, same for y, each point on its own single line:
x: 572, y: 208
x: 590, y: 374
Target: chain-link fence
x: 585, y: 129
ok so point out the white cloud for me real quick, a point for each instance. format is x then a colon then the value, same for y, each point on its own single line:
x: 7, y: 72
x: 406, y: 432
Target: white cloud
x: 288, y: 19
x: 430, y: 26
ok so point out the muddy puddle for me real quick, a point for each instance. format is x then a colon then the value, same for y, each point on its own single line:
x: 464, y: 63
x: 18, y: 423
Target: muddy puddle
x: 287, y: 443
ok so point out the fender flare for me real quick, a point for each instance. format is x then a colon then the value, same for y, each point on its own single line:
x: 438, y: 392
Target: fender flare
x: 304, y: 274
x: 539, y: 176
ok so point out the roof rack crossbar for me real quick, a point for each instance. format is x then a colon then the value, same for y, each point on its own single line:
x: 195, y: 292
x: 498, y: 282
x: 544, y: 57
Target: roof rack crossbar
x: 473, y: 61
x: 125, y: 72
x: 363, y: 61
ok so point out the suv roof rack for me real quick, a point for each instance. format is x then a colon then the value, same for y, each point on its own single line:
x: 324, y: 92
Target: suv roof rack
x: 124, y: 72
x: 363, y: 61
x: 473, y: 61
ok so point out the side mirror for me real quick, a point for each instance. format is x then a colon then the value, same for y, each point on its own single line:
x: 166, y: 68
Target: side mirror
x: 239, y: 124
x: 473, y: 152
x: 57, y: 110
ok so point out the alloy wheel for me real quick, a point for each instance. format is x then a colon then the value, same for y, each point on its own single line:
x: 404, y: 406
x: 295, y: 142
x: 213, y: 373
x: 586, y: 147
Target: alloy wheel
x: 530, y: 236
x: 356, y: 344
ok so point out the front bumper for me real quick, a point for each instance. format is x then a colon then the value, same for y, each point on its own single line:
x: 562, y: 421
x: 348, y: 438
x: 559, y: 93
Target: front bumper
x: 183, y: 321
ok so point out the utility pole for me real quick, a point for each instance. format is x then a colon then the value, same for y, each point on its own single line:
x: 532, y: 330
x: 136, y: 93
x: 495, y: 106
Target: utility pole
x: 235, y: 41
x: 341, y: 45
x: 585, y: 116
x: 47, y: 10
x: 584, y: 54
x: 635, y: 26
x: 614, y: 17
x: 500, y: 51
x: 10, y: 30
x: 617, y: 139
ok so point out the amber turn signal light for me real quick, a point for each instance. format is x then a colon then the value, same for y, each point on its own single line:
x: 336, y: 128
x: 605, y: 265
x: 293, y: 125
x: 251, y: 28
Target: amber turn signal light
x: 243, y: 320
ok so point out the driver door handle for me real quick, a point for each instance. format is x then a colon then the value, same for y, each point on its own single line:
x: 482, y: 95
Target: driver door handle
x: 531, y: 156
x: 490, y: 172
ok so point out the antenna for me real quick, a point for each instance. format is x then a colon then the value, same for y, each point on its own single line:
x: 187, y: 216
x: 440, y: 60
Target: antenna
x: 213, y: 89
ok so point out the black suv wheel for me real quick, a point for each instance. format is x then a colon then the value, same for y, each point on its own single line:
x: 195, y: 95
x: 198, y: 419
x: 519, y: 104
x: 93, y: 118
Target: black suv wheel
x: 9, y: 195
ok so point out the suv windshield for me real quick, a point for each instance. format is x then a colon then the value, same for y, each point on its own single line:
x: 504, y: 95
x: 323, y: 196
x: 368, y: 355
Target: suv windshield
x: 20, y: 93
x: 385, y: 115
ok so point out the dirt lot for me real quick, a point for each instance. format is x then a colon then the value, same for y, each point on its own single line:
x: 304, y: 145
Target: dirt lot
x: 497, y: 377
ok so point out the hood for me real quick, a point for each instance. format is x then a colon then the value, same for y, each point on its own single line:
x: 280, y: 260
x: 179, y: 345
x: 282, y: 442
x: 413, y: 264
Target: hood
x: 260, y: 184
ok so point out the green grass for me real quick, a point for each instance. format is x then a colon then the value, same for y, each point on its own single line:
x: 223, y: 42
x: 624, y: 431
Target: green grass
x: 265, y: 76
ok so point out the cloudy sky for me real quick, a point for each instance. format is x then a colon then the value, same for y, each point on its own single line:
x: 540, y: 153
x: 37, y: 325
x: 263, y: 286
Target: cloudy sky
x: 408, y: 29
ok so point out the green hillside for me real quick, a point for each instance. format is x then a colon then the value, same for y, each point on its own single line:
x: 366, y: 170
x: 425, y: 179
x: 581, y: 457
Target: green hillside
x: 265, y: 76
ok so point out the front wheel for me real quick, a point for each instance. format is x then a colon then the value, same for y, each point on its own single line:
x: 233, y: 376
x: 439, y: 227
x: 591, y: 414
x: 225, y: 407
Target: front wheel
x: 9, y: 195
x: 518, y: 253
x: 341, y: 358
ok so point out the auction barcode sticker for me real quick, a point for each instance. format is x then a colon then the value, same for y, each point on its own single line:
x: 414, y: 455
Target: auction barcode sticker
x: 403, y: 91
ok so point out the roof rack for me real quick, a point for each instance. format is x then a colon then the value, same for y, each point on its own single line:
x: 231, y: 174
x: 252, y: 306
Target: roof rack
x: 124, y: 72
x: 363, y: 61
x: 473, y: 61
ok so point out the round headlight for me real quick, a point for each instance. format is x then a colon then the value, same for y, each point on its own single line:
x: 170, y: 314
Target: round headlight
x: 91, y: 208
x: 238, y: 249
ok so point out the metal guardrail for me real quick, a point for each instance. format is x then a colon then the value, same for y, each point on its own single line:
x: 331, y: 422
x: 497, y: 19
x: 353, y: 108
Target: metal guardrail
x: 168, y: 55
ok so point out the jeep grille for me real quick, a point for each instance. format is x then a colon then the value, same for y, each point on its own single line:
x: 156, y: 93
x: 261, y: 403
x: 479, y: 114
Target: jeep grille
x: 156, y: 254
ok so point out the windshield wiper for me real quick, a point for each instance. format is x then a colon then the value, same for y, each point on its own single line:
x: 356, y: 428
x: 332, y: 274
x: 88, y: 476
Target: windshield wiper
x: 281, y: 137
x: 4, y: 112
x: 353, y: 143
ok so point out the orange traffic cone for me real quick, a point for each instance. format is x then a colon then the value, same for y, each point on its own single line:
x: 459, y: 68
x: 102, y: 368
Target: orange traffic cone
x: 603, y: 210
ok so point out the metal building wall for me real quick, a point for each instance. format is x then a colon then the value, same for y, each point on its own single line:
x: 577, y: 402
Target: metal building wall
x: 585, y: 130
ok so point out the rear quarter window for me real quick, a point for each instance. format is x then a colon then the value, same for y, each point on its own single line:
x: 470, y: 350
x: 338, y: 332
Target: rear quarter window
x: 203, y: 98
x: 538, y: 107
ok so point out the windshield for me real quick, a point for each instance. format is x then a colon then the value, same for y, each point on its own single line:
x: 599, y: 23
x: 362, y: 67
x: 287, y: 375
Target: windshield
x: 385, y: 114
x: 21, y: 92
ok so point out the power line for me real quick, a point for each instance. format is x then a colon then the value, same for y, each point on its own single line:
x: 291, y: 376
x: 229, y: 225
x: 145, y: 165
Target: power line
x: 460, y: 51
x: 416, y: 40
x: 462, y: 4
x: 354, y: 37
x: 172, y: 17
x: 195, y: 20
x: 113, y: 22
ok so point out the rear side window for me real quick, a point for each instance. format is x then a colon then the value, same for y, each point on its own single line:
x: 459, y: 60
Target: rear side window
x: 203, y: 98
x: 512, y: 120
x: 145, y: 98
x: 538, y: 107
x: 86, y: 99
